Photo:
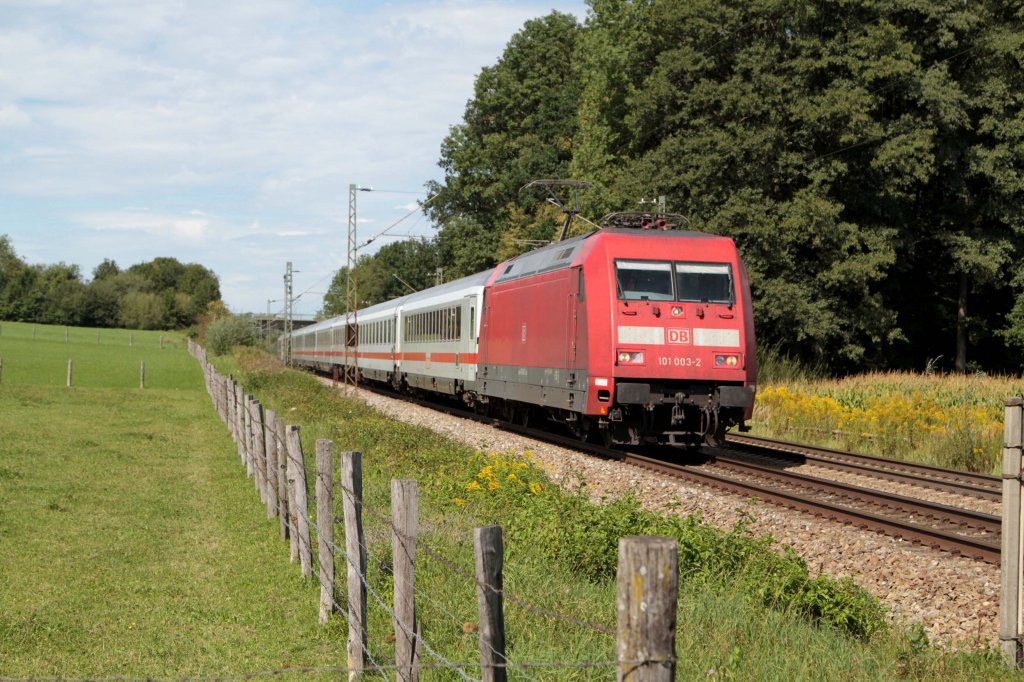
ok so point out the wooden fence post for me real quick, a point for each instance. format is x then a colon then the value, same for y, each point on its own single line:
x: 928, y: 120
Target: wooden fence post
x: 229, y: 404
x: 283, y: 497
x: 240, y: 426
x: 142, y: 374
x: 355, y: 548
x: 69, y: 372
x: 404, y: 516
x: 297, y: 478
x: 270, y: 461
x: 245, y: 436
x: 222, y: 397
x: 1011, y: 590
x: 325, y: 524
x: 648, y: 595
x: 490, y: 552
x: 259, y: 453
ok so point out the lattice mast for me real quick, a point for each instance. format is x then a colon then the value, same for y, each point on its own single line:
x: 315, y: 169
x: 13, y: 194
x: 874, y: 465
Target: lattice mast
x: 288, y: 314
x: 350, y: 334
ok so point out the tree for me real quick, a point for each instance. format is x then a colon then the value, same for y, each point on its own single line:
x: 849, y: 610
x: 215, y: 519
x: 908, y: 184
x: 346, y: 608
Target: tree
x: 140, y: 310
x: 387, y: 274
x: 855, y: 151
x: 102, y: 303
x: 60, y: 293
x: 15, y: 280
x: 105, y: 270
x: 517, y: 128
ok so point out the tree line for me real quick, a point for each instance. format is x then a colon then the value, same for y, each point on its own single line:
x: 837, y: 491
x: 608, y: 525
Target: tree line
x: 159, y: 294
x: 867, y: 157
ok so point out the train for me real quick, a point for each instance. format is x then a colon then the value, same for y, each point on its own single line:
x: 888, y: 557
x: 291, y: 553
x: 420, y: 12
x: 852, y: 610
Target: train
x: 635, y: 332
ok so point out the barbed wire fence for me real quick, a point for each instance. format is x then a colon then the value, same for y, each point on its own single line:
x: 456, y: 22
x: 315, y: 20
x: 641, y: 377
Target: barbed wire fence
x: 271, y: 452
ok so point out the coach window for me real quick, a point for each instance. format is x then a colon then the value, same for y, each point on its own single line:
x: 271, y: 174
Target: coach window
x: 580, y: 288
x: 643, y: 280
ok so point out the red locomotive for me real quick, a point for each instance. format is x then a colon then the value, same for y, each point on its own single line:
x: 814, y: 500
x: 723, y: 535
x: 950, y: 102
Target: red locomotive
x: 632, y: 333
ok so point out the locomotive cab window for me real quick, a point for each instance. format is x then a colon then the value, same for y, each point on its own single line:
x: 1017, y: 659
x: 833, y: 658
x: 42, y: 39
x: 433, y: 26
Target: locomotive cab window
x: 643, y: 280
x: 704, y: 282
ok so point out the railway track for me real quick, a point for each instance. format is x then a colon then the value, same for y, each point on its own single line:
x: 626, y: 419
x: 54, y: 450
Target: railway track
x: 980, y: 486
x: 960, y: 531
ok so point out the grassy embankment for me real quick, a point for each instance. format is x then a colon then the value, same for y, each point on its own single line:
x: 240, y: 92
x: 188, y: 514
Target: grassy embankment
x: 953, y: 421
x: 134, y: 545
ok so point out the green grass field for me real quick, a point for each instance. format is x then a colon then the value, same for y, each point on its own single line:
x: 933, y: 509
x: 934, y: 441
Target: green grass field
x: 37, y: 355
x: 131, y: 541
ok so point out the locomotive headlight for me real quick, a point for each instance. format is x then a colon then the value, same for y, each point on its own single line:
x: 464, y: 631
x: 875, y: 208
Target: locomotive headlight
x: 677, y: 311
x: 727, y: 361
x: 628, y: 357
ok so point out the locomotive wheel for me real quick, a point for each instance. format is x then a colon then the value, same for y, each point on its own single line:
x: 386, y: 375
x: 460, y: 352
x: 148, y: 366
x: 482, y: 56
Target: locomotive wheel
x: 716, y: 438
x: 523, y: 416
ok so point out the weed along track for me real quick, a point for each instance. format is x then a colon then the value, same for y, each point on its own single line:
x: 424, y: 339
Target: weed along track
x: 954, y: 596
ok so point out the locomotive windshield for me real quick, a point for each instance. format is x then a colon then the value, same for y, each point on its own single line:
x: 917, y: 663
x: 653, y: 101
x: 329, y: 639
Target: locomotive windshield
x: 674, y: 281
x: 705, y: 282
x: 644, y: 280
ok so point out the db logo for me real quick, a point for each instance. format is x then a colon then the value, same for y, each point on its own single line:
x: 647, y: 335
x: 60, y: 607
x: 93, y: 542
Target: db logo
x: 680, y: 336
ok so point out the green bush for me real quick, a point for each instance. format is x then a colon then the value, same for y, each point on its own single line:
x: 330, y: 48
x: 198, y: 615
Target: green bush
x: 225, y: 333
x: 572, y: 531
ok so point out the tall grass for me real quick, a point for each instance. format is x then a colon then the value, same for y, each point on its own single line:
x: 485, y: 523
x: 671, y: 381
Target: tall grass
x: 947, y: 420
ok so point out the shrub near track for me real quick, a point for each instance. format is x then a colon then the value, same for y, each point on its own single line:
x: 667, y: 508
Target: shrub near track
x: 745, y: 612
x: 954, y: 421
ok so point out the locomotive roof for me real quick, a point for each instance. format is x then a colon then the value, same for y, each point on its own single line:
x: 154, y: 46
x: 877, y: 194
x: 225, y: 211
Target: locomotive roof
x: 554, y: 256
x: 558, y: 255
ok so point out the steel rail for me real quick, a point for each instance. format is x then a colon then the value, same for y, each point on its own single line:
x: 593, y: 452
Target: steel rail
x: 967, y: 483
x: 979, y: 548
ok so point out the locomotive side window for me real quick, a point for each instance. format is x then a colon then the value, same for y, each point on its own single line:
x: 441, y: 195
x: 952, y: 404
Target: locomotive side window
x: 643, y: 280
x: 704, y: 282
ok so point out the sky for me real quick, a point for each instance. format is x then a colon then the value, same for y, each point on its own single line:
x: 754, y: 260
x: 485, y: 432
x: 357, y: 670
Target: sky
x: 227, y: 133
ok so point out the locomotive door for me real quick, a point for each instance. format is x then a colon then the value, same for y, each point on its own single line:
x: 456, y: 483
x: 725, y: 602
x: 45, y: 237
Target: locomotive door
x: 572, y: 323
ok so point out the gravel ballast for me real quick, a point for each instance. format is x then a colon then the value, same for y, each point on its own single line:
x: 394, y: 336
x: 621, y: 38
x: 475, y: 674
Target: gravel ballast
x: 955, y: 599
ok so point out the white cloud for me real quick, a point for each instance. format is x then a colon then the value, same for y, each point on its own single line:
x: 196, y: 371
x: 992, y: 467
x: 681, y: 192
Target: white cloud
x: 187, y: 227
x: 12, y: 116
x: 233, y: 120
